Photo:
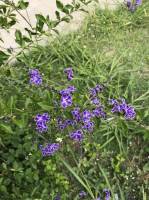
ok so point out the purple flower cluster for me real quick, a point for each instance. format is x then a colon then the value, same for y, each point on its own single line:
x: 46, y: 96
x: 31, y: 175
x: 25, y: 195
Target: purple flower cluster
x: 69, y: 73
x: 86, y: 118
x: 76, y: 135
x: 132, y: 6
x: 50, y: 149
x: 97, y: 89
x: 99, y: 112
x: 69, y: 122
x: 64, y: 124
x: 76, y: 114
x: 93, y: 94
x: 41, y: 122
x: 35, y: 77
x: 123, y: 107
x: 81, y: 121
x: 60, y: 123
x: 107, y: 192
x: 66, y: 98
x: 89, y: 126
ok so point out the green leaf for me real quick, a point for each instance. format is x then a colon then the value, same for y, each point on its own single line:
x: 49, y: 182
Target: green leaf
x: 146, y: 168
x: 27, y: 102
x: 57, y: 15
x: 65, y: 10
x: 22, y: 4
x: 69, y: 6
x: 30, y: 32
x: 1, y: 40
x: 3, y: 9
x: 40, y: 18
x: 40, y: 22
x: 56, y: 31
x: 19, y: 37
x: 66, y: 19
x: 44, y: 106
x: 6, y: 128
x: 82, y: 9
x: 11, y: 103
x: 26, y: 39
x: 3, y: 57
x: 59, y: 5
x: 142, y: 97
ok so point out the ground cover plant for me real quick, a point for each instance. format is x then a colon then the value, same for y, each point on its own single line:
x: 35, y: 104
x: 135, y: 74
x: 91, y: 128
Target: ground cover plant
x: 59, y: 138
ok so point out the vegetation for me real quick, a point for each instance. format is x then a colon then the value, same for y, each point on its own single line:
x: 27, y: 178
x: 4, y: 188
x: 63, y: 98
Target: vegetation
x: 112, y: 50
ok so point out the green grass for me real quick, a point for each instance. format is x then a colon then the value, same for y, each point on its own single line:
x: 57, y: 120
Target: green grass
x: 112, y: 48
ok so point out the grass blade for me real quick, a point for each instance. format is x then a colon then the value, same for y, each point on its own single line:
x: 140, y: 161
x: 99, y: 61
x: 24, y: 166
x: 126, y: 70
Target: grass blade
x: 78, y: 178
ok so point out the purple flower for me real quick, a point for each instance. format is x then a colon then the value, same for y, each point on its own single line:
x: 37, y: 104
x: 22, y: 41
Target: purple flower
x: 132, y: 8
x: 95, y: 101
x: 98, y: 198
x: 82, y: 194
x: 69, y: 122
x: 69, y: 73
x: 35, y: 77
x: 117, y: 107
x: 99, y: 112
x: 41, y: 122
x: 86, y: 116
x: 129, y: 113
x: 49, y: 149
x: 89, y: 126
x: 62, y: 127
x: 64, y: 92
x: 42, y: 117
x: 123, y: 105
x: 71, y: 88
x: 66, y: 98
x: 76, y: 135
x: 107, y: 193
x: 98, y: 88
x: 138, y: 2
x: 76, y: 114
x: 41, y: 127
x: 94, y: 91
x: 59, y: 120
x: 112, y: 101
x: 128, y: 3
x: 60, y: 124
x: 66, y: 101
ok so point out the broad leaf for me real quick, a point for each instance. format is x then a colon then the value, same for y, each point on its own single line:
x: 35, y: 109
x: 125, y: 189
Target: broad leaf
x: 3, y: 57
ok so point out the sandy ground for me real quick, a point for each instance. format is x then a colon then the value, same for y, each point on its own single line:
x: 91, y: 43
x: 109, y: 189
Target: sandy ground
x: 47, y: 7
